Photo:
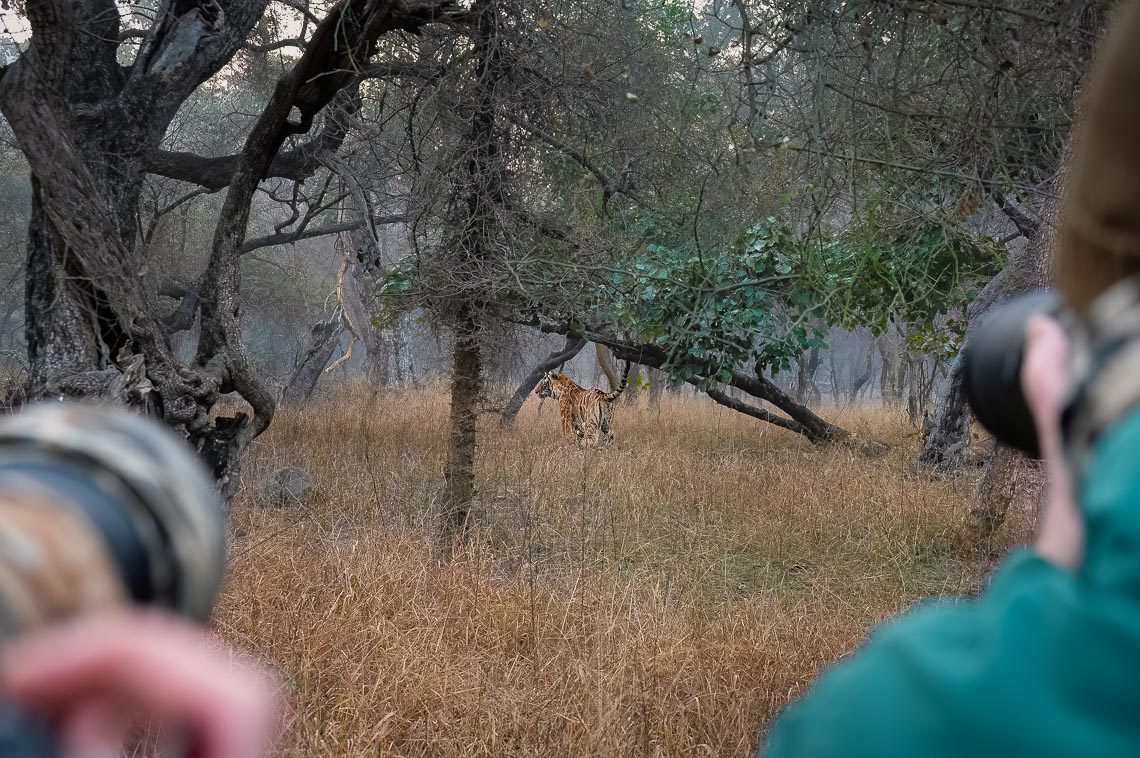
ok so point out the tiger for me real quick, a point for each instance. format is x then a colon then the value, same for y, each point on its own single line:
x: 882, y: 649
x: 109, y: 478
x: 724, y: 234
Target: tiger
x: 588, y: 413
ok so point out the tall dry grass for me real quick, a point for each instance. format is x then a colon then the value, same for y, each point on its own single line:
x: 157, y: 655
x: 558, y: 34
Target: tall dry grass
x: 661, y: 597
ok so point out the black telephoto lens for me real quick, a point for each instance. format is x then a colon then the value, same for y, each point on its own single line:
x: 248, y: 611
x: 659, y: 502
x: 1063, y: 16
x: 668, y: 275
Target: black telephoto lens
x: 991, y: 367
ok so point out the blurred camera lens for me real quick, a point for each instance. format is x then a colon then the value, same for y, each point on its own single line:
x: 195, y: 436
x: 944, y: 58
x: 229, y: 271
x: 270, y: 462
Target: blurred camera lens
x: 991, y: 365
x: 100, y: 507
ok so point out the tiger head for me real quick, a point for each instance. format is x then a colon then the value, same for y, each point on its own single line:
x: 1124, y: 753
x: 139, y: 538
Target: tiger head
x: 548, y: 386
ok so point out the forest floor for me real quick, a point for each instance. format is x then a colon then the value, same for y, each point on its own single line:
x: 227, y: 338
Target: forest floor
x: 662, y: 597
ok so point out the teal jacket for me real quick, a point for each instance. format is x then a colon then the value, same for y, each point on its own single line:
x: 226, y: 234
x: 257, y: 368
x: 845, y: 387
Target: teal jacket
x: 1045, y: 663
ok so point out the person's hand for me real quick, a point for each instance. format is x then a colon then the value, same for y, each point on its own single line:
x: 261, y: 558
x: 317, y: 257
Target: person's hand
x: 95, y: 677
x: 1044, y: 379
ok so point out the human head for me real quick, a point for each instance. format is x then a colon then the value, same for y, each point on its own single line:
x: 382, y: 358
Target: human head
x: 1098, y: 236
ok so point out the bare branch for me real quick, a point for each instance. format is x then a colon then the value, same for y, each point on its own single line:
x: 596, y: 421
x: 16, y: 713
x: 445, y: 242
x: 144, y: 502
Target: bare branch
x: 296, y: 235
x: 302, y: 6
x: 1022, y: 221
x: 275, y: 45
x: 609, y: 187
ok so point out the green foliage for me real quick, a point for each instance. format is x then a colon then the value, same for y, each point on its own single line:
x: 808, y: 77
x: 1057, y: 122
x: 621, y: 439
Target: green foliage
x: 397, y: 293
x: 709, y: 313
x: 864, y: 280
x: 760, y: 300
x: 771, y: 295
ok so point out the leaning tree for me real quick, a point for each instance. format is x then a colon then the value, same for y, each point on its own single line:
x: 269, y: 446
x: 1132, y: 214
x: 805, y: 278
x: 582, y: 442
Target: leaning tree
x: 89, y: 101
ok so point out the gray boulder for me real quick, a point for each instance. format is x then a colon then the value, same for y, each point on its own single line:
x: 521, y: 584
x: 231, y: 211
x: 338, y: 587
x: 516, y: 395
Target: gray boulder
x: 287, y: 486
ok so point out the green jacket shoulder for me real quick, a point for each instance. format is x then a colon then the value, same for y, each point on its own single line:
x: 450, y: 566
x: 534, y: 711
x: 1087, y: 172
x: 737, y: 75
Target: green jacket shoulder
x: 1045, y: 662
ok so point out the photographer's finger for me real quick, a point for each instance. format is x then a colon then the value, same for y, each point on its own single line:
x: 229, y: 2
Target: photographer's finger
x: 92, y: 729
x: 1044, y: 374
x: 155, y: 664
x: 1044, y: 377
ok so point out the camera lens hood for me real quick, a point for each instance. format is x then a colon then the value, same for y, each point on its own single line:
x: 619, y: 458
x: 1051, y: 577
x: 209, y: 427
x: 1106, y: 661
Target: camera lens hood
x: 153, y: 479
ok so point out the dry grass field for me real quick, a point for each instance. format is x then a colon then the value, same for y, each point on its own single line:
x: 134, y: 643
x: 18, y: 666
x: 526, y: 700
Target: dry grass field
x: 663, y: 597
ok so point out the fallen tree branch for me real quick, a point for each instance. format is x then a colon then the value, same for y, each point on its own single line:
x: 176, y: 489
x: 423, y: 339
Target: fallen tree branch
x: 723, y: 398
x: 800, y: 418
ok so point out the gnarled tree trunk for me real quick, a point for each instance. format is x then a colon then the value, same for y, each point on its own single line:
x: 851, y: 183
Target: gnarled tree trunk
x: 945, y: 447
x: 311, y: 363
x: 90, y: 129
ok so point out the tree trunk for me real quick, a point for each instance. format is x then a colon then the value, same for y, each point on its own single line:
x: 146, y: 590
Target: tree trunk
x: 836, y: 381
x: 362, y: 254
x: 950, y: 435
x: 888, y: 373
x: 475, y: 219
x: 808, y: 366
x: 606, y: 364
x: 311, y: 363
x: 915, y: 381
x: 397, y: 359
x: 807, y: 423
x: 378, y: 361
x: 801, y: 379
x: 1008, y: 472
x: 657, y: 379
x: 865, y: 376
x: 573, y: 346
x: 89, y: 128
x: 459, y: 474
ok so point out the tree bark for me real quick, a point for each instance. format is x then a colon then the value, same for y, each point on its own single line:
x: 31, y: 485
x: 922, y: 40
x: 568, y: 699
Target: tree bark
x: 362, y: 254
x: 889, y: 353
x: 1007, y: 473
x: 657, y: 379
x: 606, y: 363
x: 836, y: 381
x: 945, y: 445
x: 311, y: 363
x: 466, y: 380
x: 865, y: 375
x: 475, y: 218
x: 945, y: 448
x: 573, y: 346
x: 378, y: 361
x: 808, y: 366
x: 817, y: 430
x: 397, y: 358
